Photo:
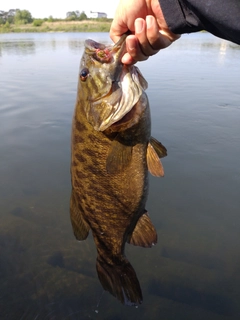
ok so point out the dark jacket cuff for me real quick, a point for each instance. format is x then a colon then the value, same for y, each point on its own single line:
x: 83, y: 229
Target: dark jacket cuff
x: 179, y: 18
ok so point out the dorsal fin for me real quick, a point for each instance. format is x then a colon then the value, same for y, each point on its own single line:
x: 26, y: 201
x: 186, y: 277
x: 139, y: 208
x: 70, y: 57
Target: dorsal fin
x: 144, y: 234
x: 158, y: 147
x: 119, y: 157
x: 155, y: 166
x: 80, y: 227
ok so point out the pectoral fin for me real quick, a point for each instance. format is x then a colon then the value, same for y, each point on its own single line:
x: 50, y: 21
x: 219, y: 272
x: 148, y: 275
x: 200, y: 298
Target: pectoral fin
x: 144, y: 234
x: 119, y: 157
x: 158, y: 147
x: 80, y: 227
x: 155, y: 166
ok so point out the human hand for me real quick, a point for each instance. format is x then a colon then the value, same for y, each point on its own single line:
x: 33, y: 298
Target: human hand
x: 150, y: 31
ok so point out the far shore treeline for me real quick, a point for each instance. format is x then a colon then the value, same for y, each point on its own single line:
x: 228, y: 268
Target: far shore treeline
x: 16, y: 20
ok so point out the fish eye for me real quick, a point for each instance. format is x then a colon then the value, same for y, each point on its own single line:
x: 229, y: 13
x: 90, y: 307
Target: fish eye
x: 84, y: 74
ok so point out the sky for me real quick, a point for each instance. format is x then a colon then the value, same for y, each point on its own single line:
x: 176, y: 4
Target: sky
x: 58, y: 9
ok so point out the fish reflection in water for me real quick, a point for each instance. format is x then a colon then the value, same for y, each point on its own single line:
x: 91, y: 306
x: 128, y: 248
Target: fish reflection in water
x: 112, y: 151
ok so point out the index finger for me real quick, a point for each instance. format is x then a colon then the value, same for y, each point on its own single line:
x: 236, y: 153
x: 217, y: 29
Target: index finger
x: 118, y: 28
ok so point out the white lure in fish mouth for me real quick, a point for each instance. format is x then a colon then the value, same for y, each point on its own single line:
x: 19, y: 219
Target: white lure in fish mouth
x: 122, y: 98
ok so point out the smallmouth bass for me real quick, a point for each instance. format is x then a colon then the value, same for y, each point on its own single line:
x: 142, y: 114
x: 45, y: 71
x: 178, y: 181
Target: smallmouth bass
x: 112, y: 151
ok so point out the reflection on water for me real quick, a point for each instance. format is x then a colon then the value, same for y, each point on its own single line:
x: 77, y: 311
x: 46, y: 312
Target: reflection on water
x: 193, y: 271
x: 18, y: 47
x: 76, y: 45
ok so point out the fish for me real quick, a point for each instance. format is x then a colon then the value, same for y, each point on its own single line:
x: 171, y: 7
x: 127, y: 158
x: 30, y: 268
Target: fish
x: 111, y: 153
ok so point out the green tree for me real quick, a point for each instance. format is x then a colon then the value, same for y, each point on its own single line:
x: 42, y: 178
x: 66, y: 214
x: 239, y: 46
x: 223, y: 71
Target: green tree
x: 23, y: 17
x: 10, y: 15
x: 7, y: 16
x: 82, y: 16
x: 72, y: 15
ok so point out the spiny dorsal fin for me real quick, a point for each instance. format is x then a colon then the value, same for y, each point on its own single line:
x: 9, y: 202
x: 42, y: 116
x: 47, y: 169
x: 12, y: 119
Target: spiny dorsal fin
x: 119, y: 157
x: 158, y: 147
x: 80, y: 227
x: 155, y: 166
x: 144, y: 234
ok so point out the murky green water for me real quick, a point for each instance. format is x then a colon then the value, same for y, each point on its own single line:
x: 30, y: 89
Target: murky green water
x: 193, y: 272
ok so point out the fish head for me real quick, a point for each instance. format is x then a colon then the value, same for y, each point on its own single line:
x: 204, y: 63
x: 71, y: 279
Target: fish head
x: 108, y: 88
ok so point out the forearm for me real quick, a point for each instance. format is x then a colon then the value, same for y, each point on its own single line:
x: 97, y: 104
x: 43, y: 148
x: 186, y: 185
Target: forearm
x: 221, y: 18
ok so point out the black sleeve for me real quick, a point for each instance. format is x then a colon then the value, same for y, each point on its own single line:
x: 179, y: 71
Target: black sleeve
x: 219, y: 17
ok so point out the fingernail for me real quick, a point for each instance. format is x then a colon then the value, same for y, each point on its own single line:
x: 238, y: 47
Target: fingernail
x: 149, y: 21
x: 138, y: 25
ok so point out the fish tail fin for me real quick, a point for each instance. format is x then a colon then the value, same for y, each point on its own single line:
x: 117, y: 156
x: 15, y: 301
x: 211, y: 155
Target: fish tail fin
x: 119, y: 278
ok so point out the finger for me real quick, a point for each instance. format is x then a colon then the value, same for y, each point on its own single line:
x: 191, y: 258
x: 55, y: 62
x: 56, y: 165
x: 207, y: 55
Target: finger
x: 156, y: 39
x: 119, y: 24
x: 127, y: 59
x: 141, y: 34
x: 117, y: 30
x: 134, y: 49
x: 147, y: 33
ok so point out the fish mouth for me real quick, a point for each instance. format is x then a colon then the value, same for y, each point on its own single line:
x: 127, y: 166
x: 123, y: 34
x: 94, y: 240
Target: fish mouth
x: 107, y: 54
x: 112, y: 55
x: 116, y: 51
x: 124, y: 89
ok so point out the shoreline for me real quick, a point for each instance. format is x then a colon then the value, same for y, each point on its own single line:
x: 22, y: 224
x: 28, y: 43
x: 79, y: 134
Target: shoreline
x: 59, y: 26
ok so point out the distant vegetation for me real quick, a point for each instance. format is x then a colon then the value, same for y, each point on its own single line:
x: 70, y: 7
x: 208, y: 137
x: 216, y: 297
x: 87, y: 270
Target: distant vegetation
x: 16, y: 20
x: 76, y: 16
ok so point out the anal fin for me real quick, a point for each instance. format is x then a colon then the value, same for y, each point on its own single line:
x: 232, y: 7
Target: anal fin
x: 144, y: 234
x: 80, y: 227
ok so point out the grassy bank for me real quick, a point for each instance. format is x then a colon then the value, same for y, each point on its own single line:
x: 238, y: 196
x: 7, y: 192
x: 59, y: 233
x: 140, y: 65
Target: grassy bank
x: 60, y: 26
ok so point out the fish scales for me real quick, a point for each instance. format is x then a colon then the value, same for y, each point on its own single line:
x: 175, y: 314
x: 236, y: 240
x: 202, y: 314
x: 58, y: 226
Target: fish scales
x: 114, y: 192
x: 111, y: 154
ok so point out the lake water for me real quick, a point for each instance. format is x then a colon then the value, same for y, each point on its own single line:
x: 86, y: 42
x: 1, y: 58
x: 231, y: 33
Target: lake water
x: 194, y: 270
